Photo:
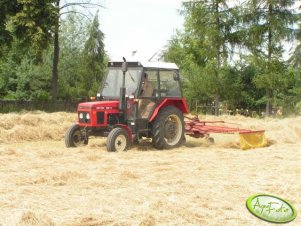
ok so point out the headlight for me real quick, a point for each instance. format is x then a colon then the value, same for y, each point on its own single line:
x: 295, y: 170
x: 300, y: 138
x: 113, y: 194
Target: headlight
x: 88, y: 116
x: 81, y: 115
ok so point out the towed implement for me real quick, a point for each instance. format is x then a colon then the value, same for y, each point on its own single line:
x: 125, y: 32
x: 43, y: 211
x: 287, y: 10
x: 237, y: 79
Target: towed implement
x: 202, y: 129
x: 140, y: 100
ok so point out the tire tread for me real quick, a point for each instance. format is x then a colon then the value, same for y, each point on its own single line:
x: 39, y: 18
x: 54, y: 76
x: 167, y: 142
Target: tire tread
x: 112, y: 136
x: 157, y: 134
x: 68, y: 136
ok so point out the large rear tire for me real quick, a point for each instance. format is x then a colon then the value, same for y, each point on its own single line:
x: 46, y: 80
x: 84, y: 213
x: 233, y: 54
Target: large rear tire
x: 74, y: 137
x: 168, y: 128
x: 117, y: 140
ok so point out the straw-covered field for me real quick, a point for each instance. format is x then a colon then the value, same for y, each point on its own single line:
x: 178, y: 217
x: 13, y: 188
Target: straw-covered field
x: 44, y: 183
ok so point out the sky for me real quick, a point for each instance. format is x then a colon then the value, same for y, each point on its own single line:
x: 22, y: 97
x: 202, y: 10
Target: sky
x: 144, y: 26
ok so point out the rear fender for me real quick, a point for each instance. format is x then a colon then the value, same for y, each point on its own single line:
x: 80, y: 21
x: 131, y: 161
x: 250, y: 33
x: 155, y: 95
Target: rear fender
x: 179, y: 103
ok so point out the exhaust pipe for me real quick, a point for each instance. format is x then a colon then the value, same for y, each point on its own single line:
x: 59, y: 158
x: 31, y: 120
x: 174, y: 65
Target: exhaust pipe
x: 122, y: 100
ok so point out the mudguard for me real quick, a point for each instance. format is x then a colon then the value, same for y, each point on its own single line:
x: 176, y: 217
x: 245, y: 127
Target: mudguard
x: 180, y: 103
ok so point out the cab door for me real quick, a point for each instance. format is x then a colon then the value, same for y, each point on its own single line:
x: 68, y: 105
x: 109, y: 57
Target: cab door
x: 146, y: 102
x: 148, y: 94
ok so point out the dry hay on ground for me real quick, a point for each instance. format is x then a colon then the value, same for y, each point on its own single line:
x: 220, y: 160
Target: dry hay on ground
x: 44, y: 183
x: 39, y: 126
x: 34, y: 126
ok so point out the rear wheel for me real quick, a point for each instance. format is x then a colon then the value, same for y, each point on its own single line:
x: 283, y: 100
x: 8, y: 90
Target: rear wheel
x: 117, y: 140
x: 74, y: 137
x: 168, y: 128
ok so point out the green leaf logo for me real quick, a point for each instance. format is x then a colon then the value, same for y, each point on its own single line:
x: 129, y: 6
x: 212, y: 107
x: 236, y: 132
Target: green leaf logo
x: 271, y: 208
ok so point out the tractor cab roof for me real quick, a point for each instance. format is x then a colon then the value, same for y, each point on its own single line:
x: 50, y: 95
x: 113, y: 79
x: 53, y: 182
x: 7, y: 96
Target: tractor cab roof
x: 146, y: 64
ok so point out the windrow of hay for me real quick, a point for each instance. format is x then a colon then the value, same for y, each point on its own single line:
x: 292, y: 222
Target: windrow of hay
x: 33, y: 219
x: 40, y: 126
x: 34, y: 126
x: 91, y: 220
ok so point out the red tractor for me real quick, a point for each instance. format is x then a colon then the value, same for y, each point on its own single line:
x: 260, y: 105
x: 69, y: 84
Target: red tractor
x: 137, y: 100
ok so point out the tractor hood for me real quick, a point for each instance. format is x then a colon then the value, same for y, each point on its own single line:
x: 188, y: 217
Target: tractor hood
x: 99, y: 105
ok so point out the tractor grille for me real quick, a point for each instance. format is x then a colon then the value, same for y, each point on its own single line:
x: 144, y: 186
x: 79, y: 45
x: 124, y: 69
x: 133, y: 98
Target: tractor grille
x: 83, y: 117
x: 100, y: 117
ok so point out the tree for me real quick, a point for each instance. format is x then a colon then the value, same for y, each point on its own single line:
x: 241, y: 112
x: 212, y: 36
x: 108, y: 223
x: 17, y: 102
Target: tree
x: 295, y: 59
x: 207, y: 40
x: 7, y: 9
x: 269, y: 23
x: 82, y: 57
x: 29, y: 21
x: 56, y: 53
x: 72, y: 64
x: 25, y: 33
x: 81, y: 67
x: 251, y: 96
x: 94, y: 58
x: 8, y: 63
x: 61, y: 10
x: 22, y: 77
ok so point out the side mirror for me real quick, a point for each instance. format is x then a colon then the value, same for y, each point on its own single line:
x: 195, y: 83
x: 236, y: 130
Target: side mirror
x: 124, y: 67
x: 176, y: 76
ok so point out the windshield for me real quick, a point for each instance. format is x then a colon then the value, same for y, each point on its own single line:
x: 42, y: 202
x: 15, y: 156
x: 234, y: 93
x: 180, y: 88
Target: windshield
x: 113, y: 82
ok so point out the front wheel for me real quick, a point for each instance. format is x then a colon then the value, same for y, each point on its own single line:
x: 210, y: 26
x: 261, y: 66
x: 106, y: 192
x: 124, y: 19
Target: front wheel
x: 74, y: 137
x: 118, y: 140
x: 168, y: 128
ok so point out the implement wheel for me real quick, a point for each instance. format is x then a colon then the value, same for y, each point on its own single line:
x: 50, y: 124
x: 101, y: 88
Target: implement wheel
x: 74, y: 137
x: 168, y: 128
x: 118, y: 140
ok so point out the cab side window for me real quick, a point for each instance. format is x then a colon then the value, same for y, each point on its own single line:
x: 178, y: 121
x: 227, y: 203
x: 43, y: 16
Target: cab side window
x: 150, y: 84
x: 169, y: 86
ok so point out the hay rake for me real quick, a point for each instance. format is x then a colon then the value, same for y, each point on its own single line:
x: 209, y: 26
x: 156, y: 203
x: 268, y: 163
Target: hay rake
x: 197, y: 128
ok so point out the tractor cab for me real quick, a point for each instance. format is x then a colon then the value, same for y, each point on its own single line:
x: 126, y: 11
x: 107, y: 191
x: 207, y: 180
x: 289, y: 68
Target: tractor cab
x: 146, y: 83
x: 131, y: 104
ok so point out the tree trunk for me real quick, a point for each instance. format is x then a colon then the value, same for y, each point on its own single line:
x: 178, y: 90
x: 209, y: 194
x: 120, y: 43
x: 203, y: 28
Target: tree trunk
x: 56, y: 53
x: 216, y: 104
x: 268, y: 108
x: 218, y: 62
x: 269, y: 92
